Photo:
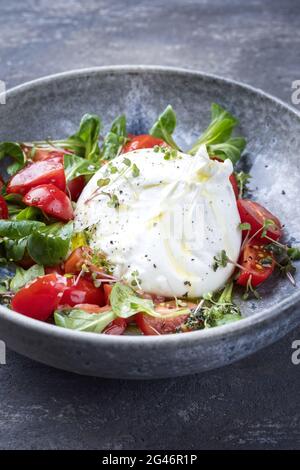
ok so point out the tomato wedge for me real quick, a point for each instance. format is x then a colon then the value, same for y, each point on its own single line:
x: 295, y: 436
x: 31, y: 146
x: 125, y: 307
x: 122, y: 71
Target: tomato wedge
x: 82, y: 291
x: 116, y: 327
x: 256, y: 215
x: 234, y: 184
x: 159, y: 326
x: 75, y: 187
x: 51, y: 200
x: 143, y: 141
x: 35, y: 174
x: 92, y: 308
x: 168, y: 323
x: 41, y: 155
x: 77, y: 258
x: 258, y: 264
x: 3, y: 208
x: 107, y: 291
x: 54, y: 269
x: 41, y: 297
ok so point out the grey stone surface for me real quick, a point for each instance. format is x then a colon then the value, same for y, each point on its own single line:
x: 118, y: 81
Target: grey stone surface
x: 252, y: 404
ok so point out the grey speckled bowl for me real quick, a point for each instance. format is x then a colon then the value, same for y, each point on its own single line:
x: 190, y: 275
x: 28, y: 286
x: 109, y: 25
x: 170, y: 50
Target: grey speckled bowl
x: 52, y: 107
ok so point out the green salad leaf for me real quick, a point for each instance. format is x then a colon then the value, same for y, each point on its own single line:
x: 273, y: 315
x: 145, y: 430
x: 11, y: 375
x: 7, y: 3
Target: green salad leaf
x: 23, y: 276
x: 14, y: 150
x: 49, y: 245
x: 15, y: 249
x: 231, y: 149
x: 164, y: 127
x: 7, y: 272
x: 223, y: 310
x: 217, y: 136
x: 46, y: 244
x: 114, y: 139
x: 85, y: 142
x: 29, y: 213
x: 118, y: 126
x: 125, y: 303
x: 16, y: 229
x: 76, y: 166
x: 76, y: 319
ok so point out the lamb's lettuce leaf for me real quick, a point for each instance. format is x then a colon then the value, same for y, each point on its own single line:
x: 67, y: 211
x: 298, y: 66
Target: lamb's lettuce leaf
x: 76, y: 166
x: 23, y: 276
x: 77, y: 319
x: 217, y: 136
x: 114, y: 139
x: 164, y: 127
x: 49, y: 245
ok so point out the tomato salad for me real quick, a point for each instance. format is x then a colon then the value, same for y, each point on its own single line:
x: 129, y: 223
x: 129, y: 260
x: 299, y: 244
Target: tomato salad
x: 52, y: 273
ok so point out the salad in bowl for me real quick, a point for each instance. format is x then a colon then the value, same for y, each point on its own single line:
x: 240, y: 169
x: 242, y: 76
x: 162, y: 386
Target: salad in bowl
x: 131, y: 234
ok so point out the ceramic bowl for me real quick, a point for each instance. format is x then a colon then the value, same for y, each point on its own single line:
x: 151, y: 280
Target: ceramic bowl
x: 52, y: 107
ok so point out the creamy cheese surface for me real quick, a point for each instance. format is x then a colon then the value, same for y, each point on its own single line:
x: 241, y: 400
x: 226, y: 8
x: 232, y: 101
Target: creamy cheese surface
x: 161, y: 220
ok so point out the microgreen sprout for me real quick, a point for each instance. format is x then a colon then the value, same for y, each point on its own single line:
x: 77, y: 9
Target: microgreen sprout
x: 242, y: 179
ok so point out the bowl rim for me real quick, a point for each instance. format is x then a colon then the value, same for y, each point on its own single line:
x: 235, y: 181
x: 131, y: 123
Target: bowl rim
x: 207, y: 335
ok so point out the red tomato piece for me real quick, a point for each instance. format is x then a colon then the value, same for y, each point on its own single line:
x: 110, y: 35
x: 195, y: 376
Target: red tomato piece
x: 26, y: 262
x: 35, y: 174
x: 258, y: 264
x: 82, y: 291
x: 169, y: 322
x: 51, y: 200
x: 255, y: 214
x: 235, y: 187
x: 76, y: 186
x: 3, y: 208
x: 116, y: 327
x: 54, y: 269
x: 144, y: 141
x: 92, y: 308
x: 40, y: 298
x: 159, y: 326
x: 77, y: 258
x: 41, y: 155
x: 107, y: 291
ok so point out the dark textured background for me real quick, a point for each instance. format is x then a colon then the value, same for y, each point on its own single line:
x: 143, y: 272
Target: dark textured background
x: 253, y: 404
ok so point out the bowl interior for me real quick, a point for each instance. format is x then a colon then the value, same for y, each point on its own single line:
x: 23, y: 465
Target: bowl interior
x: 52, y: 108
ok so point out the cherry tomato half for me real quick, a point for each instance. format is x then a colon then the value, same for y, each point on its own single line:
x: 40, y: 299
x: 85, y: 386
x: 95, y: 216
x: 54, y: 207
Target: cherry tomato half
x: 76, y: 186
x: 35, y: 174
x: 41, y: 297
x: 3, y: 208
x: 258, y: 264
x: 82, y: 291
x: 144, y: 141
x: 256, y: 215
x: 51, y: 200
